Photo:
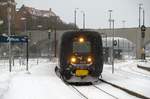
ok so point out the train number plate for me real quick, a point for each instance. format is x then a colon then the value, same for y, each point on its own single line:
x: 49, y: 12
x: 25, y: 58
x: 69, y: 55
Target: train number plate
x: 82, y: 72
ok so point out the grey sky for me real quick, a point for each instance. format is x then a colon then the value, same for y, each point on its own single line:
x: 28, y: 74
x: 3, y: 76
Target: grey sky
x: 96, y: 11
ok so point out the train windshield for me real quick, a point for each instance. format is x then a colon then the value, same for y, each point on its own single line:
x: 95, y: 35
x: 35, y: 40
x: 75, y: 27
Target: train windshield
x: 81, y: 47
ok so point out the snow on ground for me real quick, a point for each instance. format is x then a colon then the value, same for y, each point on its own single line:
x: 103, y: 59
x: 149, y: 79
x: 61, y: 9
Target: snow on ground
x: 129, y: 76
x: 41, y: 83
x: 4, y: 83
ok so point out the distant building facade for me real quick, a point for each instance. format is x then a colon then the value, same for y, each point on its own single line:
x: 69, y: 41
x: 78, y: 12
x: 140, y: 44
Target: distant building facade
x: 36, y: 19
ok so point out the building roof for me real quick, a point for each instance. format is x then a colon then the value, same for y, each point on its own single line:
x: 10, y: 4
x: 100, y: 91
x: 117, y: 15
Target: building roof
x: 37, y: 12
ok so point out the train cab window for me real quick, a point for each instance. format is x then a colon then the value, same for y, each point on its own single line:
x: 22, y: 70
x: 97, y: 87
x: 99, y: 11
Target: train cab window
x: 81, y: 47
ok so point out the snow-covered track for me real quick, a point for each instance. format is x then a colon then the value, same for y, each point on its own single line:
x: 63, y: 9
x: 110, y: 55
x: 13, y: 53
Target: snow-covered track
x: 79, y: 92
x: 138, y: 95
x: 93, y: 92
x: 105, y: 92
x: 143, y: 74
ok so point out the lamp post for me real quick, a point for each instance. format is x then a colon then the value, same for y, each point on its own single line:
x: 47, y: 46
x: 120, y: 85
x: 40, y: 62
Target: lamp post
x: 9, y: 32
x: 110, y: 20
x: 9, y: 3
x: 75, y: 15
x: 140, y: 8
x: 143, y: 29
x: 83, y: 19
x: 113, y: 23
x: 49, y: 39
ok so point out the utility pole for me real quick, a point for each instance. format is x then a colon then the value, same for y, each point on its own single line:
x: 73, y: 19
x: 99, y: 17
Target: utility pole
x: 75, y: 15
x: 55, y: 43
x: 9, y: 3
x: 83, y: 19
x: 113, y: 46
x: 9, y: 32
x: 143, y: 29
x: 55, y: 38
x: 110, y: 20
x: 49, y: 44
x: 112, y: 50
x: 140, y: 8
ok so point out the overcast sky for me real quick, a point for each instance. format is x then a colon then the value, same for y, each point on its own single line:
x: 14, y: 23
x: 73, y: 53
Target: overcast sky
x: 96, y: 11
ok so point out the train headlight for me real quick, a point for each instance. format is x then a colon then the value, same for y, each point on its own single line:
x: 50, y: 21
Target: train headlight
x: 81, y: 40
x: 89, y: 59
x: 73, y: 59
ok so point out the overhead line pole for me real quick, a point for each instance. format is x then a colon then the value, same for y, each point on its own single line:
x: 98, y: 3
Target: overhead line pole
x: 9, y: 32
x: 113, y: 45
x: 140, y: 7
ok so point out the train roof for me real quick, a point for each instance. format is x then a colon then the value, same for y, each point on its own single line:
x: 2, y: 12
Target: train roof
x: 81, y: 32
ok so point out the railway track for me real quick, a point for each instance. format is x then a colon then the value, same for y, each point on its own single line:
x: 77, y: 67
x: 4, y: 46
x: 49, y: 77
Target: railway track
x: 130, y: 92
x: 76, y: 89
x: 136, y: 71
x: 105, y: 92
x: 93, y: 92
x: 88, y: 91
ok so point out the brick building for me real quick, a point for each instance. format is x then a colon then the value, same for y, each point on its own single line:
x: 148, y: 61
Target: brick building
x: 36, y: 19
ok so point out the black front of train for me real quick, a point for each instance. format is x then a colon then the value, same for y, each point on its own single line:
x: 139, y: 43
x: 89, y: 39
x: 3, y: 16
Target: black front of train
x: 81, y: 56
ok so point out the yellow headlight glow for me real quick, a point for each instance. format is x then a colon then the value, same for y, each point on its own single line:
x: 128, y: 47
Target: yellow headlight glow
x: 81, y: 39
x: 89, y: 59
x: 73, y: 59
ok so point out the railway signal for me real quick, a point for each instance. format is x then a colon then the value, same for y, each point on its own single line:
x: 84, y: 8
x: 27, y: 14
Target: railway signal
x: 115, y: 43
x: 143, y: 29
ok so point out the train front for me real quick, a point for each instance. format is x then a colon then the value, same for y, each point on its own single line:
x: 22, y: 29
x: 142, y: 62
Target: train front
x: 81, y: 61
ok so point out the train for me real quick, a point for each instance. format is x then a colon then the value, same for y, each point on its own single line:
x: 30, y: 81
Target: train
x: 80, y: 56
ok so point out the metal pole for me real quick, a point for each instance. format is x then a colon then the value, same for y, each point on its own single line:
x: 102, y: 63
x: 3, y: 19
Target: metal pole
x: 110, y: 11
x: 9, y: 34
x: 118, y: 49
x: 113, y: 48
x: 49, y: 45
x: 27, y: 68
x: 83, y: 23
x: 75, y: 15
x: 140, y: 7
x: 83, y: 20
x: 143, y: 17
x: 75, y: 18
x: 106, y: 40
x: 55, y: 43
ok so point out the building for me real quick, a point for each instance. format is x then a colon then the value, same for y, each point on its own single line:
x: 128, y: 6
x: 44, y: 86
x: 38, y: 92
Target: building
x: 35, y: 19
x: 4, y: 4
